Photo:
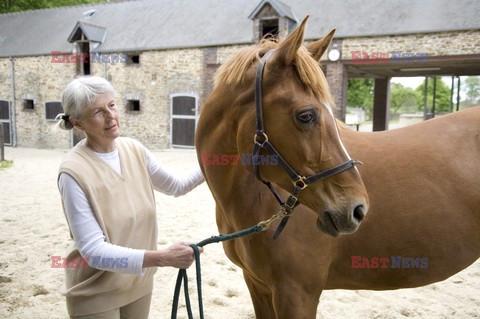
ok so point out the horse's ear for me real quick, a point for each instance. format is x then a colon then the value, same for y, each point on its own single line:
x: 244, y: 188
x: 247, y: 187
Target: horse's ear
x: 319, y: 47
x: 287, y: 50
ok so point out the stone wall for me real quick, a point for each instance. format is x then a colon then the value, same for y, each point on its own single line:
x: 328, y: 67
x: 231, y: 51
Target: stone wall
x: 5, y: 83
x: 37, y: 79
x: 337, y: 81
x: 158, y: 75
x: 435, y: 44
x: 163, y: 73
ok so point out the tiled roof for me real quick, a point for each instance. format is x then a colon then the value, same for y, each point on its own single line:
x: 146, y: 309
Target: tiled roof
x: 166, y: 24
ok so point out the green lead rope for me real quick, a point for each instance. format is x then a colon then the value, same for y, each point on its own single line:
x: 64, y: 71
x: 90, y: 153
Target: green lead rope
x: 182, y: 273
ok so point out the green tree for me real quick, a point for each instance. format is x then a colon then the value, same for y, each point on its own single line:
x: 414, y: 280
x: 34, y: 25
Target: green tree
x: 402, y: 99
x: 23, y: 5
x: 472, y: 88
x: 442, y: 96
x: 360, y: 94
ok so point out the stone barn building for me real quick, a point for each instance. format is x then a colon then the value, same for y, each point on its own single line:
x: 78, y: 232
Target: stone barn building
x: 161, y: 55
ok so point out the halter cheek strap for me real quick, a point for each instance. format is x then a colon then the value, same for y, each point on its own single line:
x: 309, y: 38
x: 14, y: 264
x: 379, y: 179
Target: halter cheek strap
x: 261, y: 142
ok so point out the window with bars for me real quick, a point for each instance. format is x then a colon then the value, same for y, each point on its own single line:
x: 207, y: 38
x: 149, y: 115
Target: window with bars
x: 28, y: 104
x: 133, y: 105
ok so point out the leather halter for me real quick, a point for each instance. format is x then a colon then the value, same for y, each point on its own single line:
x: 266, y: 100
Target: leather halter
x: 261, y: 142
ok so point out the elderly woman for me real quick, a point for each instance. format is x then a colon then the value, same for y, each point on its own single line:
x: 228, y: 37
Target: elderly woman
x: 106, y: 183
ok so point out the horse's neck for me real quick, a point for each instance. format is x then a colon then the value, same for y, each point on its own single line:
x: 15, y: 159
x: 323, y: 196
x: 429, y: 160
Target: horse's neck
x: 240, y: 197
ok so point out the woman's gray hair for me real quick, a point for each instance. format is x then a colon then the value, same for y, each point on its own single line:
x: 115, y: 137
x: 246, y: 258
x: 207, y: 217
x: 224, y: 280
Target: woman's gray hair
x: 78, y: 95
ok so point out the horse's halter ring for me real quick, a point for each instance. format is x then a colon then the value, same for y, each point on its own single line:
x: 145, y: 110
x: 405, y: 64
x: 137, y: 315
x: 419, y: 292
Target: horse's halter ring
x: 262, y: 142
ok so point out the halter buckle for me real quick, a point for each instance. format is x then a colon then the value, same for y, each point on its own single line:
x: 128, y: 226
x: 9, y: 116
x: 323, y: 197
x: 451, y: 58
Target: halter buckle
x: 300, y: 182
x: 289, y: 205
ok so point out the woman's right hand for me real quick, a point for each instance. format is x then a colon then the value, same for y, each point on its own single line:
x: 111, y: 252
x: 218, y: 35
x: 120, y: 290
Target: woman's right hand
x: 179, y: 255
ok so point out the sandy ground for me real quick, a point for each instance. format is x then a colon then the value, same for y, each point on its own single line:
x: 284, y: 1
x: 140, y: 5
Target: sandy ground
x: 33, y: 228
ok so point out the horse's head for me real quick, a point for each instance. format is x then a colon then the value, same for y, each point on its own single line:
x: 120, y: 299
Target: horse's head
x: 299, y: 123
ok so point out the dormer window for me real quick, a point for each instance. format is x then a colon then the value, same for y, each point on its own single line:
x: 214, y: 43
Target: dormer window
x: 84, y: 50
x: 272, y: 18
x: 84, y: 36
x: 269, y: 28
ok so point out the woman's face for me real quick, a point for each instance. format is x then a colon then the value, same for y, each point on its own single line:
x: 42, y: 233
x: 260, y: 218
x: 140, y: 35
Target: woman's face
x: 101, y: 120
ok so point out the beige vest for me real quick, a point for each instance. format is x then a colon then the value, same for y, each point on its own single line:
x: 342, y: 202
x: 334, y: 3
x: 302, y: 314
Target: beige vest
x: 124, y: 206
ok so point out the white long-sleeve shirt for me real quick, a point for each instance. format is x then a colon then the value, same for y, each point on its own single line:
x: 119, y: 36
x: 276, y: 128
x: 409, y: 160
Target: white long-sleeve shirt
x: 86, y: 231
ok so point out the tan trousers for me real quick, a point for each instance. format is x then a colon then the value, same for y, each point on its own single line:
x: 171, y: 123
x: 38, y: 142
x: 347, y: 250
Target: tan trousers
x: 137, y: 309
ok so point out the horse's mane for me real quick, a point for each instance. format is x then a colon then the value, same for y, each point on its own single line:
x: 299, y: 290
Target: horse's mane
x: 234, y: 70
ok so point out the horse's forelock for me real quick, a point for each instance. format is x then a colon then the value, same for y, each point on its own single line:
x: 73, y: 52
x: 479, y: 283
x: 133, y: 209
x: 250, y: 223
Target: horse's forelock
x: 234, y: 70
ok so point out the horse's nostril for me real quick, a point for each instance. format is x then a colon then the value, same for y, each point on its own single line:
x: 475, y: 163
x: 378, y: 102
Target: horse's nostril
x: 359, y: 213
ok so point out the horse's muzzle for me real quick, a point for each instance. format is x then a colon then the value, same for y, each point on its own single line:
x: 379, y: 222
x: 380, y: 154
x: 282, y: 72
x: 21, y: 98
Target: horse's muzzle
x: 336, y: 222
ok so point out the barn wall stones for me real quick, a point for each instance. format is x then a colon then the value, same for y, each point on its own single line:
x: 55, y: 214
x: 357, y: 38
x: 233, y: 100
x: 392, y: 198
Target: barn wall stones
x: 152, y: 81
x: 37, y: 79
x: 435, y: 44
x: 162, y: 73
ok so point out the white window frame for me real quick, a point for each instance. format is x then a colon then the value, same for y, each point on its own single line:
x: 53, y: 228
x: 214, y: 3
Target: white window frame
x: 172, y: 116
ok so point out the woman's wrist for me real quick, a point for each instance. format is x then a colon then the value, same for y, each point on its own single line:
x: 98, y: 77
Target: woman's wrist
x: 152, y: 258
x: 179, y: 255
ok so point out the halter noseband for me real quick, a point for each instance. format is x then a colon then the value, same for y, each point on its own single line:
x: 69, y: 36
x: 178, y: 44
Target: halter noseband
x: 261, y: 142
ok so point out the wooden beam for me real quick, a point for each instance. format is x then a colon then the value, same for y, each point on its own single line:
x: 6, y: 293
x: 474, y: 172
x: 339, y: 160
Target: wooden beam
x: 381, y: 104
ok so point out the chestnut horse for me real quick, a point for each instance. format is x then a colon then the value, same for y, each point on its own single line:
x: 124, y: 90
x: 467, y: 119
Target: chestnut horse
x: 423, y: 186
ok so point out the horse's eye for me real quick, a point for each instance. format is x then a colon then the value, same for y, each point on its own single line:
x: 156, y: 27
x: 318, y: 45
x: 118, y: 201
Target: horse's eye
x: 306, y: 117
